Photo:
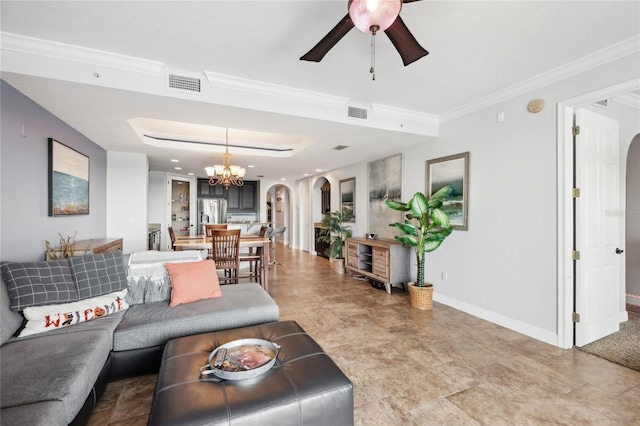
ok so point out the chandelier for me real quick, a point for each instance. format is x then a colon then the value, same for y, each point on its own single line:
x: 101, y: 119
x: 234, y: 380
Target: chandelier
x: 226, y: 174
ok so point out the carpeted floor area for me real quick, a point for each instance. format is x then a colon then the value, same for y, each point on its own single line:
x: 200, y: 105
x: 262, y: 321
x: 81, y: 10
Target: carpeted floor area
x: 622, y: 347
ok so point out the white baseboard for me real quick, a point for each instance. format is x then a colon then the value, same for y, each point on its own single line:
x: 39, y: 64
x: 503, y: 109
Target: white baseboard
x: 520, y: 327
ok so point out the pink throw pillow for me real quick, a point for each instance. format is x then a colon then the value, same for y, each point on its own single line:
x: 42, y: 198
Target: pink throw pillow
x: 192, y: 281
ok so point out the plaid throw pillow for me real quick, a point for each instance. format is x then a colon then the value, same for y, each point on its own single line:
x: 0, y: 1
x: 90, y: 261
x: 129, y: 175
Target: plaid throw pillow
x: 98, y: 274
x: 39, y: 283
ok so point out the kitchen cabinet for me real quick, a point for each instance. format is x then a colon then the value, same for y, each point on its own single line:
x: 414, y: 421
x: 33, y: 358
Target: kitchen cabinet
x: 207, y: 191
x: 387, y: 262
x: 240, y: 199
x: 243, y: 199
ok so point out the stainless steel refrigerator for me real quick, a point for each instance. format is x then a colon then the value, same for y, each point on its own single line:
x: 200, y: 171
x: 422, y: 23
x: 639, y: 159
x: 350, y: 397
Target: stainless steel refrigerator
x: 211, y: 210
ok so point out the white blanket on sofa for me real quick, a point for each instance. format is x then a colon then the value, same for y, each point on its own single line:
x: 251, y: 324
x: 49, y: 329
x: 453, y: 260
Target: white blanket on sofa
x: 148, y: 277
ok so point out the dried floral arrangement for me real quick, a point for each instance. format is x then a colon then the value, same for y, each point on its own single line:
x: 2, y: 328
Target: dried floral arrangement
x: 67, y: 248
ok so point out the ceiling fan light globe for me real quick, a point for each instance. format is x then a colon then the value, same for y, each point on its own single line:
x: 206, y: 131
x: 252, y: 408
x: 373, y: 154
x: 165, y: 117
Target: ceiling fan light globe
x: 366, y: 14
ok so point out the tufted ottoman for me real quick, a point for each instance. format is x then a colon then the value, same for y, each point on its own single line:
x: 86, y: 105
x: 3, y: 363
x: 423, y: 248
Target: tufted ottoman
x: 304, y: 387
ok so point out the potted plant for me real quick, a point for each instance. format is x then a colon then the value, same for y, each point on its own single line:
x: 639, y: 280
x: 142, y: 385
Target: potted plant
x: 336, y: 233
x: 425, y: 228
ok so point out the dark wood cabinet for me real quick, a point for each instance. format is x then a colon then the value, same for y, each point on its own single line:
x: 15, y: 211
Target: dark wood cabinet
x: 321, y: 246
x: 207, y: 191
x: 240, y: 199
x: 243, y: 199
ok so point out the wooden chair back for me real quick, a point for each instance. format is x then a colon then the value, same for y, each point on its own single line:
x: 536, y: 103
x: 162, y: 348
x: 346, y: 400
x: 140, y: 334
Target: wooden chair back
x: 172, y: 235
x: 208, y: 227
x: 225, y: 250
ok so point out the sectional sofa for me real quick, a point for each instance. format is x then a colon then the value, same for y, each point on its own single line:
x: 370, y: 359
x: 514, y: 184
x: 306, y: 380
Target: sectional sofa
x: 69, y: 326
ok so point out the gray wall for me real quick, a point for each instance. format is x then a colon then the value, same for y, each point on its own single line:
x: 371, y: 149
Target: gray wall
x: 24, y: 220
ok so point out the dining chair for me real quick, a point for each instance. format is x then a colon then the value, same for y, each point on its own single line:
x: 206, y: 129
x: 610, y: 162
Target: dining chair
x: 255, y: 260
x: 225, y: 247
x: 208, y: 227
x: 172, y: 235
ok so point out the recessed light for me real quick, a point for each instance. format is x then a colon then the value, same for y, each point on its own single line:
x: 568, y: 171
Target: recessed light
x: 173, y: 160
x: 306, y: 174
x: 283, y: 178
x: 251, y: 166
x: 178, y: 168
x: 191, y: 174
x: 318, y: 170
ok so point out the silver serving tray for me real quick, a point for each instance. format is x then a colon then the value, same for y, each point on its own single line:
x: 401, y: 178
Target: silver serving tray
x: 240, y: 375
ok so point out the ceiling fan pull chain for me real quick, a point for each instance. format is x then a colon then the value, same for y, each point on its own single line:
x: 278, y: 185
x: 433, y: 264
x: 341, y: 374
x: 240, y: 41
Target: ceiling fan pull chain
x: 372, y: 70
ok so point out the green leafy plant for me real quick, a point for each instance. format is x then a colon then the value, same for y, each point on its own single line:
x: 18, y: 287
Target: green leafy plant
x: 425, y: 227
x: 337, y: 232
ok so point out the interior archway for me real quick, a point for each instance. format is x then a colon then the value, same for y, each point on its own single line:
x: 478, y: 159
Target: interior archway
x: 632, y: 231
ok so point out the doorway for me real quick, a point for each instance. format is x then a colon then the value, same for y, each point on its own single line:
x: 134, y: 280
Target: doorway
x: 566, y: 222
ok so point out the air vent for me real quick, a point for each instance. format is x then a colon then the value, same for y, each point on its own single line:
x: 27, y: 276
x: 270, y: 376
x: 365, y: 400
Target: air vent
x: 184, y: 83
x: 340, y: 147
x: 354, y: 112
x: 602, y: 104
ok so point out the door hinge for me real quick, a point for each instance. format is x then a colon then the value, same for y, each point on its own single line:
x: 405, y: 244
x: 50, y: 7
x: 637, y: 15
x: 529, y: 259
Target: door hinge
x: 575, y: 130
x: 575, y: 255
x: 575, y: 317
x: 575, y: 192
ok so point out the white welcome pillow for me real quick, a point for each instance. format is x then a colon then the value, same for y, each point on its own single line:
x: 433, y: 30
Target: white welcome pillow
x: 54, y: 317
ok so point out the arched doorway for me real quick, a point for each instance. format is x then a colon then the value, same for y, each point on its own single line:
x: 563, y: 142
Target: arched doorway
x: 632, y: 231
x: 279, y: 211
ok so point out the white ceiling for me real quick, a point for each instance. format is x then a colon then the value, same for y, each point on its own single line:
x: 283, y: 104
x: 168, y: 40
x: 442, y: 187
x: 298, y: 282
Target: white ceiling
x: 246, y: 54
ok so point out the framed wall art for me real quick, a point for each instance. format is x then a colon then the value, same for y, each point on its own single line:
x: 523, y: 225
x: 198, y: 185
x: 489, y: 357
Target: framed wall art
x: 68, y: 180
x: 452, y: 170
x: 385, y: 182
x: 348, y: 197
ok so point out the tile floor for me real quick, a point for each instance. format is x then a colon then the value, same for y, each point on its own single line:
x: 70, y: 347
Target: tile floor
x: 438, y: 367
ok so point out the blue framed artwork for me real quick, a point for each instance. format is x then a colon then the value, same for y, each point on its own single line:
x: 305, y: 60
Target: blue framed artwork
x: 68, y: 180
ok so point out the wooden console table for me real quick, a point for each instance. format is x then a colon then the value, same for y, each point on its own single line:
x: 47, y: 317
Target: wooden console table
x: 94, y: 245
x: 384, y: 261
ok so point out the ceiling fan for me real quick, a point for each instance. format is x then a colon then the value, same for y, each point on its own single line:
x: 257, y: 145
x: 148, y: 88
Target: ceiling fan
x: 371, y: 17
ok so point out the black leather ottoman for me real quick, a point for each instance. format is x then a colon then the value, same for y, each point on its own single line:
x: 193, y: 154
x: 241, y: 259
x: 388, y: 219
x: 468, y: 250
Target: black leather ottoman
x: 304, y: 387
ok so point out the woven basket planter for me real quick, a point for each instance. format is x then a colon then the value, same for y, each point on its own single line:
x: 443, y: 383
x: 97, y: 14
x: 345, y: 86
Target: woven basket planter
x: 421, y: 297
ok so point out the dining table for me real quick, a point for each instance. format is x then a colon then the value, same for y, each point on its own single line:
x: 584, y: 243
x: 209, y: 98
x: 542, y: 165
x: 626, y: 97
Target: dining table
x: 199, y: 242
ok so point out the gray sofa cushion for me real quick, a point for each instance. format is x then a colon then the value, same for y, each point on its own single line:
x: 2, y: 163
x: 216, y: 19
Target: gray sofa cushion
x: 39, y: 283
x: 45, y: 413
x: 148, y: 325
x: 10, y: 321
x: 60, y: 367
x: 98, y: 274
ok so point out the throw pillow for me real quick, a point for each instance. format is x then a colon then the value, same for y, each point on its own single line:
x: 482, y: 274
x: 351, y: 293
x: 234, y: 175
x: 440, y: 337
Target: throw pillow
x: 193, y: 281
x: 54, y: 317
x: 39, y: 283
x: 148, y: 277
x: 98, y: 274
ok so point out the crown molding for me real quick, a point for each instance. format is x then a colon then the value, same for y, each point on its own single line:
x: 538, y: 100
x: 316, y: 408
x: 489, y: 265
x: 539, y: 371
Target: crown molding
x: 405, y: 114
x: 68, y: 52
x: 593, y: 60
x: 267, y: 89
x: 628, y: 99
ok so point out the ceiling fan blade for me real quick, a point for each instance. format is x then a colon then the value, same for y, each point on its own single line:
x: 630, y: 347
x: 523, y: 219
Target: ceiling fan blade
x: 409, y: 1
x: 405, y: 43
x: 319, y: 50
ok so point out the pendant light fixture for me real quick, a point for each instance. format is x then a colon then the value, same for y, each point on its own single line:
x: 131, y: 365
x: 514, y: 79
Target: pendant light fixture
x: 373, y: 16
x: 225, y: 174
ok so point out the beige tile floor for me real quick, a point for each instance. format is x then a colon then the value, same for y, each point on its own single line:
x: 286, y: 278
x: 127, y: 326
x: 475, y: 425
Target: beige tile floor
x: 438, y: 367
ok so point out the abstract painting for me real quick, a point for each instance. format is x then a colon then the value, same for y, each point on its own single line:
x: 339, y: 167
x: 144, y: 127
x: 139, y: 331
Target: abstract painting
x: 68, y: 180
x: 385, y: 182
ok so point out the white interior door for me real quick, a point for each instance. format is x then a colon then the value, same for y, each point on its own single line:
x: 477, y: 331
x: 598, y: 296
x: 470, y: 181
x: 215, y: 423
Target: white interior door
x: 597, y: 222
